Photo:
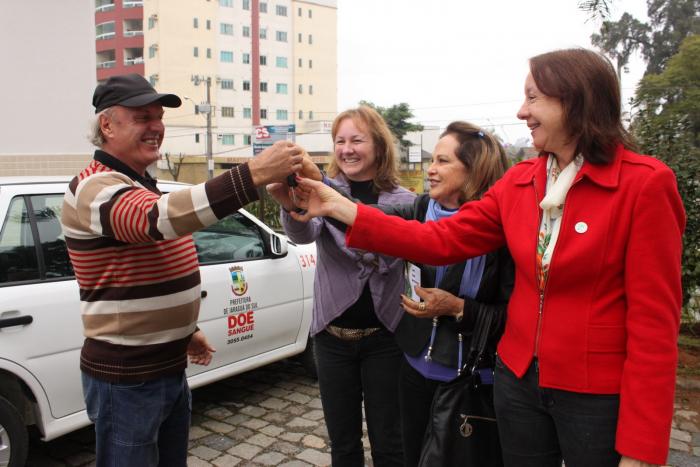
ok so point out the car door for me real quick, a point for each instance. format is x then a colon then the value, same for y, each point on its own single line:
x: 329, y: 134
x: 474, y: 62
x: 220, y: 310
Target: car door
x: 252, y: 298
x: 38, y: 291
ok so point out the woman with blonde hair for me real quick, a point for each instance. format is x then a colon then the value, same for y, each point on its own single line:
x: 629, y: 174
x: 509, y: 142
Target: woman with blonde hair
x: 356, y: 297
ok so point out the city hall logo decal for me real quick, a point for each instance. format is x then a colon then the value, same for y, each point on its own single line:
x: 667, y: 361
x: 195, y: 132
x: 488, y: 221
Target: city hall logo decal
x: 239, y: 286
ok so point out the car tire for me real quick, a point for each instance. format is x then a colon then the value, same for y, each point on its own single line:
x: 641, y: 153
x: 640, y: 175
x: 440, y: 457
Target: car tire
x: 308, y: 358
x: 14, y: 441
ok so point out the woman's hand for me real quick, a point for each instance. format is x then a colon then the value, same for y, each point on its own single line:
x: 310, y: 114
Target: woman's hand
x: 629, y: 462
x: 199, y: 349
x: 321, y: 200
x: 309, y: 169
x: 436, y: 302
x: 281, y: 193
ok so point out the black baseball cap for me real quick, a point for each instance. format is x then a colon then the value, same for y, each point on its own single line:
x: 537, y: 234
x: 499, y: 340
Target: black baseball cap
x: 130, y: 90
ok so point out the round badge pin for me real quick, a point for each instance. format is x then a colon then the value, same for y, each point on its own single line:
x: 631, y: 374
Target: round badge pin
x: 581, y: 227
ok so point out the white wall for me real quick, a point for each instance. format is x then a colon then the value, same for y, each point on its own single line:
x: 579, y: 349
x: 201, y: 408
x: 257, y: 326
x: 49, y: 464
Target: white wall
x: 48, y: 76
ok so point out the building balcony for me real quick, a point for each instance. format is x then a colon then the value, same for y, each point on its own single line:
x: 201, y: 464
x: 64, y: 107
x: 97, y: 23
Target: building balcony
x: 133, y: 61
x: 133, y: 33
x: 105, y: 36
x: 107, y: 64
x: 104, y: 5
x: 132, y: 3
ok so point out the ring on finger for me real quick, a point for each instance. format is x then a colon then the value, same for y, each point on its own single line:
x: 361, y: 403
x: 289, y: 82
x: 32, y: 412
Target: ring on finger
x: 421, y: 306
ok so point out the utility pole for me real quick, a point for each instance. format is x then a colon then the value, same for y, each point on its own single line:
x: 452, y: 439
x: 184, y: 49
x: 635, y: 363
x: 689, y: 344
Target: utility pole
x: 210, y: 160
x: 207, y: 110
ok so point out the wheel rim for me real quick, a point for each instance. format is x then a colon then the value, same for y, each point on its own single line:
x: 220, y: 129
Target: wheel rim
x: 5, y: 448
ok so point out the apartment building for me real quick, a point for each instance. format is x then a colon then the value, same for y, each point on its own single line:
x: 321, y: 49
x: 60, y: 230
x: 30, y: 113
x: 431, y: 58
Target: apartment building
x: 247, y: 62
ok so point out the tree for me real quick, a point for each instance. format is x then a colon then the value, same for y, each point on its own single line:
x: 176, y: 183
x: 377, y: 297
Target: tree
x: 396, y: 118
x: 619, y: 39
x: 668, y: 126
x: 596, y: 8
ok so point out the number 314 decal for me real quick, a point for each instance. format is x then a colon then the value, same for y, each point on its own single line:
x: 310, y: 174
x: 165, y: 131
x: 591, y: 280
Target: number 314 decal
x: 307, y: 261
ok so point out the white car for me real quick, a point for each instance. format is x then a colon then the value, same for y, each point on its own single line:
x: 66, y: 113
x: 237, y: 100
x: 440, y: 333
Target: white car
x: 257, y: 293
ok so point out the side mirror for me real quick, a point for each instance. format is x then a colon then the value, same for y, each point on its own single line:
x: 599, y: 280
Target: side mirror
x: 278, y: 245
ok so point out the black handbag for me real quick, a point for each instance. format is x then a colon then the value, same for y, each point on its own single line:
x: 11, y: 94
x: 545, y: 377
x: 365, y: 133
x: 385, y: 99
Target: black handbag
x: 462, y: 428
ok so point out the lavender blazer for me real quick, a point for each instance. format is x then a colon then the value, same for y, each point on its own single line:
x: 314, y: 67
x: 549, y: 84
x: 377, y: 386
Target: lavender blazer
x: 342, y: 272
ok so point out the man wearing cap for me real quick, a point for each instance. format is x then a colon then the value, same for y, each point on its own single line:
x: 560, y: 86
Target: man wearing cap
x: 136, y: 265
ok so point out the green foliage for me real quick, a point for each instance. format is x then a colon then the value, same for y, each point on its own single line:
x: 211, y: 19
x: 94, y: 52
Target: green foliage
x: 270, y: 214
x: 396, y: 118
x: 596, y: 8
x: 619, y: 39
x: 668, y: 126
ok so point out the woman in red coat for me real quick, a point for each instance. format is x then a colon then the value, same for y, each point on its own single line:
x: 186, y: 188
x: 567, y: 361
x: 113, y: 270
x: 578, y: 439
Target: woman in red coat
x: 586, y: 368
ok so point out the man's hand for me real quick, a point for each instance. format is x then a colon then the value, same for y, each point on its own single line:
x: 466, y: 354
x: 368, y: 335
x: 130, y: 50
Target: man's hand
x: 309, y: 169
x: 199, y: 349
x: 275, y: 163
x: 436, y: 302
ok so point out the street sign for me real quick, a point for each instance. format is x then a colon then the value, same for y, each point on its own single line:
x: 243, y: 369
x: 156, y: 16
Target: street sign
x: 414, y: 153
x: 267, y: 135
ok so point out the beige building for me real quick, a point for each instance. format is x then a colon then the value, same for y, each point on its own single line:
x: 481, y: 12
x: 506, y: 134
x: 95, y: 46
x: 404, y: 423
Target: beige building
x: 207, y: 52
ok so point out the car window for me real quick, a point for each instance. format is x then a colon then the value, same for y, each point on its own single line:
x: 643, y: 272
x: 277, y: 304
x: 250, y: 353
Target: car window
x: 18, y: 257
x: 233, y: 238
x: 47, y: 213
x: 30, y: 218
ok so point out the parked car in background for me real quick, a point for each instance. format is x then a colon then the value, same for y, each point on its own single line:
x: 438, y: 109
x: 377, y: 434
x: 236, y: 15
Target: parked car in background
x: 257, y: 298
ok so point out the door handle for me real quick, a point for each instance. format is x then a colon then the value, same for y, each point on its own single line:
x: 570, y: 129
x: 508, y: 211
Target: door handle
x: 17, y: 321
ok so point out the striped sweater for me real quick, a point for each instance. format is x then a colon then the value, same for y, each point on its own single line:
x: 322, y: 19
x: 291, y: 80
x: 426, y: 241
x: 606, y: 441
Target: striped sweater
x: 136, y: 264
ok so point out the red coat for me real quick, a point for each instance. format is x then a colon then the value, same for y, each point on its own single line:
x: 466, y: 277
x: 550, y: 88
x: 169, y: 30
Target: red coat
x: 611, y: 307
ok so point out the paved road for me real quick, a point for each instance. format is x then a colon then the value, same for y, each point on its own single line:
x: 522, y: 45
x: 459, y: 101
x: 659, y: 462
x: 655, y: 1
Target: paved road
x: 272, y: 417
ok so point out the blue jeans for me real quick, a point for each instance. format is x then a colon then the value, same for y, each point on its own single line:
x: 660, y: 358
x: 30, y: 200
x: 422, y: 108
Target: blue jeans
x: 540, y: 426
x: 140, y: 424
x: 348, y: 373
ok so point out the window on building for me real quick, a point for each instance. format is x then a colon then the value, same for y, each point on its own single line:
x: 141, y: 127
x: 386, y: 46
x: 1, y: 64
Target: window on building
x: 226, y: 28
x: 151, y: 22
x: 246, y: 85
x: 246, y: 140
x: 196, y: 137
x: 281, y: 10
x: 299, y: 39
x: 311, y: 114
x: 208, y: 52
x: 263, y: 60
x: 281, y: 88
x: 208, y: 24
x: 310, y: 15
x: 281, y: 62
x: 195, y: 51
x: 152, y: 51
x: 246, y: 31
x: 311, y: 88
x: 105, y: 30
x: 311, y: 63
x: 263, y: 114
x: 311, y: 39
x: 299, y: 12
x: 195, y: 22
x: 153, y: 79
x: 301, y: 89
x: 245, y: 4
x: 263, y: 33
x: 281, y: 36
x: 281, y: 114
x: 246, y: 59
x: 263, y: 7
x: 228, y: 112
x: 226, y: 56
x: 301, y: 112
x: 247, y: 113
x: 228, y: 3
x: 228, y: 139
x: 300, y: 63
x: 226, y: 83
x: 263, y: 86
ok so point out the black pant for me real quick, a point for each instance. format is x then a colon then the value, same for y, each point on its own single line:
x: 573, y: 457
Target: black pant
x: 348, y: 372
x: 540, y: 426
x: 415, y: 398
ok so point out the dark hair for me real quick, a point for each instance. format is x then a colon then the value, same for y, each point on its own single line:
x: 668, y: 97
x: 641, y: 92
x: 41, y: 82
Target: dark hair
x: 369, y: 120
x: 586, y: 84
x: 482, y: 155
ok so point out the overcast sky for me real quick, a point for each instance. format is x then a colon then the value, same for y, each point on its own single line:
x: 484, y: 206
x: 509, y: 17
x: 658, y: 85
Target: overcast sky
x: 458, y: 59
